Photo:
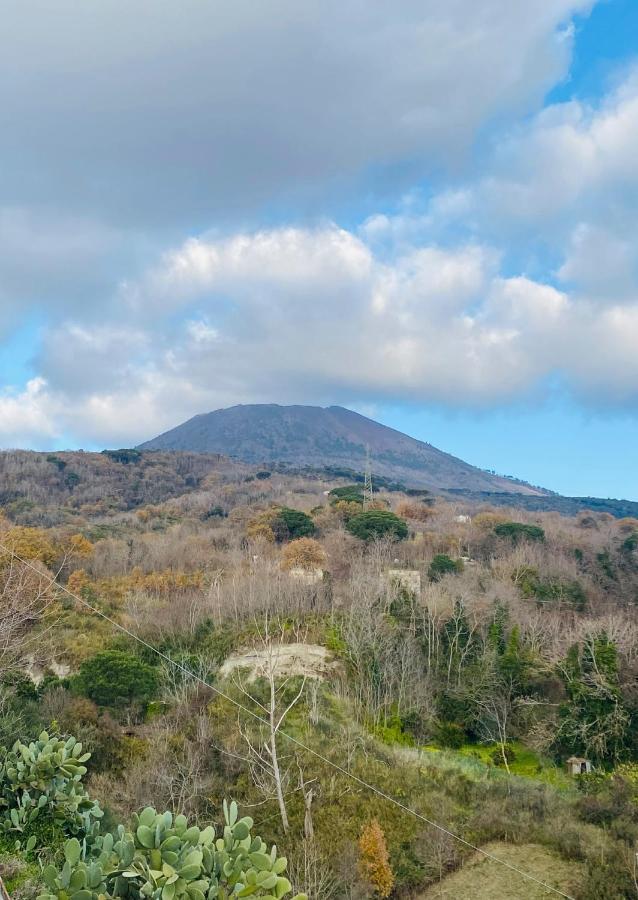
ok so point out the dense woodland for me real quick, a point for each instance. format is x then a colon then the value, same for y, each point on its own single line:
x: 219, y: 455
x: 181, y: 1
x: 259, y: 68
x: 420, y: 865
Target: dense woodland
x: 452, y: 653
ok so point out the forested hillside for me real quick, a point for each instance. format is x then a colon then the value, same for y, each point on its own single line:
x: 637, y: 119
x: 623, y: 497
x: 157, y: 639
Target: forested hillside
x: 450, y: 654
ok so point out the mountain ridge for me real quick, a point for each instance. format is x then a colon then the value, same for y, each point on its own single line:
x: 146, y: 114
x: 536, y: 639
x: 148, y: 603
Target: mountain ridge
x: 327, y: 436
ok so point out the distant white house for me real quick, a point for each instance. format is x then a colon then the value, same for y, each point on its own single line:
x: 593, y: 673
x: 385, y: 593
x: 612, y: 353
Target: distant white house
x: 464, y: 519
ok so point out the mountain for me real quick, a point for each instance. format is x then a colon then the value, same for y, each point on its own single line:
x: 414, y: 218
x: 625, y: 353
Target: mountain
x: 312, y: 436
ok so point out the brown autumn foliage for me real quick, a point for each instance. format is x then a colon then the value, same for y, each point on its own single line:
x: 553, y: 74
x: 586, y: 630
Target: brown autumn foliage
x: 260, y: 527
x: 346, y: 509
x: 260, y: 531
x: 418, y: 512
x: 25, y: 597
x: 29, y: 543
x: 627, y: 525
x: 487, y: 521
x: 374, y: 861
x: 77, y: 580
x: 79, y: 547
x: 304, y: 553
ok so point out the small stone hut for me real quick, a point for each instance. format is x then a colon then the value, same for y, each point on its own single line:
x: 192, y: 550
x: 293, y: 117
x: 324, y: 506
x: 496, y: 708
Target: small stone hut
x: 577, y: 765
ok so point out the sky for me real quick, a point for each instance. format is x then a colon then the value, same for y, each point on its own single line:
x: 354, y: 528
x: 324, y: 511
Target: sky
x: 424, y: 211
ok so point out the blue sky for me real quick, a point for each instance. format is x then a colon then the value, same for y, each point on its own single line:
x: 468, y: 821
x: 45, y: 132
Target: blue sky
x: 425, y: 211
x: 605, y: 39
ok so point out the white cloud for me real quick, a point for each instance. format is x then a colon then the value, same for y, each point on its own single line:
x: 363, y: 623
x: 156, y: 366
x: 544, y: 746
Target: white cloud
x: 26, y: 417
x: 290, y: 258
x: 53, y: 261
x: 313, y: 315
x: 600, y: 263
x: 479, y: 296
x: 602, y: 356
x: 571, y: 163
x: 84, y: 358
x: 191, y: 111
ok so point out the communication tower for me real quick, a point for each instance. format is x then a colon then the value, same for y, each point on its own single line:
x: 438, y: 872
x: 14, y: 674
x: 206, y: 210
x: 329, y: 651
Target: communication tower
x: 367, y: 480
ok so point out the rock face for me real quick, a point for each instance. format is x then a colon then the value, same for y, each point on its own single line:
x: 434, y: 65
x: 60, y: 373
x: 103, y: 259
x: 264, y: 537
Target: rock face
x: 332, y: 437
x: 36, y: 673
x: 406, y: 579
x: 308, y: 660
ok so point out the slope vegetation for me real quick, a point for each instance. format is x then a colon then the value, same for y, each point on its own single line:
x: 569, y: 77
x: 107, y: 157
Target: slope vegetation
x: 316, y: 437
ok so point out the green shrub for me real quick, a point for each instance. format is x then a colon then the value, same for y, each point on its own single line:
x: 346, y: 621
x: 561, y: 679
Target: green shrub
x: 552, y: 588
x: 607, y: 879
x: 19, y: 685
x: 290, y: 524
x: 416, y: 725
x: 441, y: 565
x: 605, y: 562
x: 376, y: 523
x: 517, y: 531
x: 215, y: 512
x: 97, y: 730
x: 352, y: 493
x: 499, y: 755
x: 450, y: 735
x: 71, y: 480
x: 116, y: 678
x: 124, y: 456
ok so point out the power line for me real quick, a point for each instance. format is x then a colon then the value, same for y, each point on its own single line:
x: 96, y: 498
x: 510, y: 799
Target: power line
x: 53, y: 581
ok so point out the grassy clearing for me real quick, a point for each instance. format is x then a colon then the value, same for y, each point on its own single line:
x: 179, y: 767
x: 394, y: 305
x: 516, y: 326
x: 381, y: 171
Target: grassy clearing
x: 483, y: 879
x: 475, y: 761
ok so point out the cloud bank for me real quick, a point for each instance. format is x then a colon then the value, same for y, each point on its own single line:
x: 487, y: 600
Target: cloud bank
x: 518, y: 270
x: 188, y: 112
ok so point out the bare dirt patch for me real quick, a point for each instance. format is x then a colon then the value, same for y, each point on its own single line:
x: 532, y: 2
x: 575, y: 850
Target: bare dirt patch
x: 309, y: 660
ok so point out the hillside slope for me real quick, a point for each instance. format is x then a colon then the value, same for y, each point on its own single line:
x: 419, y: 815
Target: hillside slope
x: 318, y: 437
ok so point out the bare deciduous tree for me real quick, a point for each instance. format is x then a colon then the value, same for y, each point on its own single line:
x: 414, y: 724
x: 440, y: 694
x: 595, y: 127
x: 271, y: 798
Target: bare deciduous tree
x: 494, y: 703
x: 25, y: 596
x: 266, y: 763
x: 310, y: 872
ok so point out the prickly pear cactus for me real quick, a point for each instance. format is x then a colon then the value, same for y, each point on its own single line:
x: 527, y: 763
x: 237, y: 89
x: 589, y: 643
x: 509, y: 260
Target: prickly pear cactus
x: 41, y: 790
x: 79, y: 879
x: 163, y: 858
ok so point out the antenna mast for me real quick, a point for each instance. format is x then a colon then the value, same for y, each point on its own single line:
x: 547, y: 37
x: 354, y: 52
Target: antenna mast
x: 367, y: 482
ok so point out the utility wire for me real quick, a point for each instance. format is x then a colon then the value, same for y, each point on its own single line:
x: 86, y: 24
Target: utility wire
x: 370, y: 787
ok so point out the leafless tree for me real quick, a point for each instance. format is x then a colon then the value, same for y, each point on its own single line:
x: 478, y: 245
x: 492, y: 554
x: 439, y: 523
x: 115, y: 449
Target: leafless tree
x: 438, y: 852
x: 180, y: 685
x: 494, y: 702
x: 266, y: 763
x: 310, y: 873
x: 308, y: 794
x: 26, y: 594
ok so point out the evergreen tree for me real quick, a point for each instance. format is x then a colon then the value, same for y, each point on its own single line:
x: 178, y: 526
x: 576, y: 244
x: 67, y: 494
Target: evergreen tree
x: 593, y: 722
